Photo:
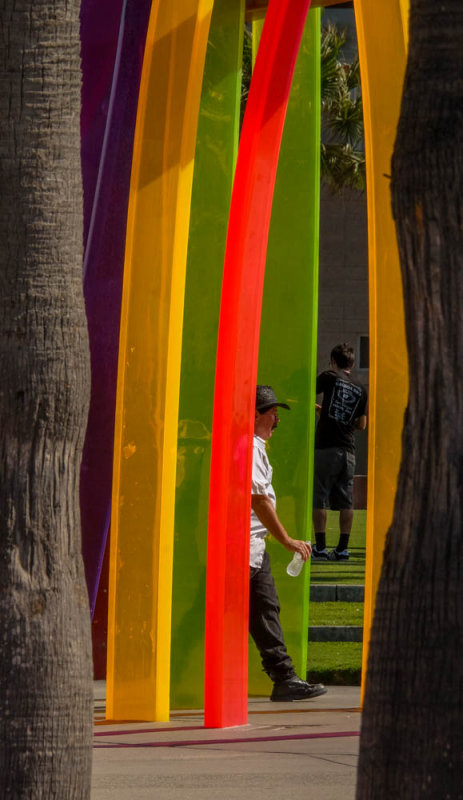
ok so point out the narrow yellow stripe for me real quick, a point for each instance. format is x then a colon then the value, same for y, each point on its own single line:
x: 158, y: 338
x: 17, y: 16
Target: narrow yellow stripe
x: 405, y: 10
x: 382, y: 51
x: 145, y: 451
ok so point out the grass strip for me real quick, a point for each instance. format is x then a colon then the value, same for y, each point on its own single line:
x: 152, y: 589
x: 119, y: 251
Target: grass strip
x: 336, y: 613
x: 338, y: 663
x: 335, y: 663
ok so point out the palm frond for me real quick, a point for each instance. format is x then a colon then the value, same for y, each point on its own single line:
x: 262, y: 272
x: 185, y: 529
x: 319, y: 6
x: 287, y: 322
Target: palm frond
x: 331, y: 43
x: 342, y: 157
x: 353, y: 75
x: 343, y: 121
x: 343, y: 167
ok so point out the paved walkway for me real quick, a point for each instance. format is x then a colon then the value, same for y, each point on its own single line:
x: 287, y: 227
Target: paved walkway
x: 288, y: 750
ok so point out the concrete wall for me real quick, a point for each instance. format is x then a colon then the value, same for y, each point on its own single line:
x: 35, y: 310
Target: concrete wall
x: 343, y: 284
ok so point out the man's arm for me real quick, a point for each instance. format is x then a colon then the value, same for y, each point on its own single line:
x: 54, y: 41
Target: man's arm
x: 263, y: 508
x: 361, y: 422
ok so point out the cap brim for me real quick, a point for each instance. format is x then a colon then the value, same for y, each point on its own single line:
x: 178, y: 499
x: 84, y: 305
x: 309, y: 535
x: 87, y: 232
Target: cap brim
x: 262, y: 409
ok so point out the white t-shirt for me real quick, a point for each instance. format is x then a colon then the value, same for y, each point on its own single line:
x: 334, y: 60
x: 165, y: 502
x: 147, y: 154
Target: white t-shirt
x: 261, y: 484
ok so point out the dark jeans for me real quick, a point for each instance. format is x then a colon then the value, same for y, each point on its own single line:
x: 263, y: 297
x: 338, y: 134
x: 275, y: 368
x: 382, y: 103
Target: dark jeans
x: 264, y: 623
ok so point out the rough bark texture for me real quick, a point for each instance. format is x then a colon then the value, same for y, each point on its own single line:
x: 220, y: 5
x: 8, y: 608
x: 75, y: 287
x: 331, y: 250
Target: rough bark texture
x: 45, y: 655
x: 412, y: 734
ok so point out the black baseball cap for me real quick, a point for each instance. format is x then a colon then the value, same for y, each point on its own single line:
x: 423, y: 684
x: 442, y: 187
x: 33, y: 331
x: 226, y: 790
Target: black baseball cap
x: 266, y: 398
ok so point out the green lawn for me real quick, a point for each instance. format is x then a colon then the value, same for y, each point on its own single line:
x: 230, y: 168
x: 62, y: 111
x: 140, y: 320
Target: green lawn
x: 352, y: 571
x: 333, y: 663
x: 336, y: 614
x: 338, y: 663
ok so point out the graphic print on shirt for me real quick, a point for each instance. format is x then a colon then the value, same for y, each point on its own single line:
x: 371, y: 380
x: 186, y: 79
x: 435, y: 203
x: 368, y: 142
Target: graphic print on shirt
x: 344, y: 401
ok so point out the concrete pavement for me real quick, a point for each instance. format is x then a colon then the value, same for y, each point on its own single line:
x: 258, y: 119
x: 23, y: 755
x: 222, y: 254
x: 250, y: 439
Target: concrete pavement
x: 288, y: 750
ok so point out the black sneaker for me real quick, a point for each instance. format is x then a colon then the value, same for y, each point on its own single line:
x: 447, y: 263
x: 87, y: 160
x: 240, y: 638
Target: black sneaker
x: 320, y: 555
x: 335, y: 555
x: 296, y: 689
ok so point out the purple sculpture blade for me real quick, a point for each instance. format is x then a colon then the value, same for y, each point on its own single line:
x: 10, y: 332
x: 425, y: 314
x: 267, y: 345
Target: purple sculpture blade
x: 106, y: 192
x: 100, y: 22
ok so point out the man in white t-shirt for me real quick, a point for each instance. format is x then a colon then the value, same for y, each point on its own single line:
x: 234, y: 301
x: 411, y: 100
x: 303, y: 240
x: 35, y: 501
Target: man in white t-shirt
x: 264, y: 608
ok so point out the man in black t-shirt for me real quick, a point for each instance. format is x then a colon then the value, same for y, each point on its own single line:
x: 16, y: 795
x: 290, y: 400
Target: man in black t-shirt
x: 341, y: 413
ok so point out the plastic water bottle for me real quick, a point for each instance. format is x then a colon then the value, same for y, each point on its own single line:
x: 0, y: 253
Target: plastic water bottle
x: 295, y: 566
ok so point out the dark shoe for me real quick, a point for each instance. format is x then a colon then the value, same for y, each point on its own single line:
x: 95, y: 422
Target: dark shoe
x: 320, y: 555
x: 295, y: 689
x: 339, y: 556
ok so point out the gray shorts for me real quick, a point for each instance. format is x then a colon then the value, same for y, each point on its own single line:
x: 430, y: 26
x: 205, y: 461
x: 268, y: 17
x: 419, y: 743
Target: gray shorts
x: 334, y: 470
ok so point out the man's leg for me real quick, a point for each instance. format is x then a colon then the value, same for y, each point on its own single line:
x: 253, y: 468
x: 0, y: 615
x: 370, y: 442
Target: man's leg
x: 319, y: 525
x: 343, y: 497
x: 264, y: 624
x: 346, y: 517
x: 319, y: 519
x: 265, y: 629
x: 321, y: 489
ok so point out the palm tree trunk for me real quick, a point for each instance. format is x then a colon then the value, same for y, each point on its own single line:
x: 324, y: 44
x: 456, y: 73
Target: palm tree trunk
x: 45, y: 653
x: 412, y: 733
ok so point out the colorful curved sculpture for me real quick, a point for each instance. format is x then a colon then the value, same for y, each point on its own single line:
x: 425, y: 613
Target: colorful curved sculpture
x: 108, y: 125
x: 164, y: 496
x: 215, y: 160
x: 227, y: 582
x: 288, y: 335
x: 145, y: 443
x: 382, y: 50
